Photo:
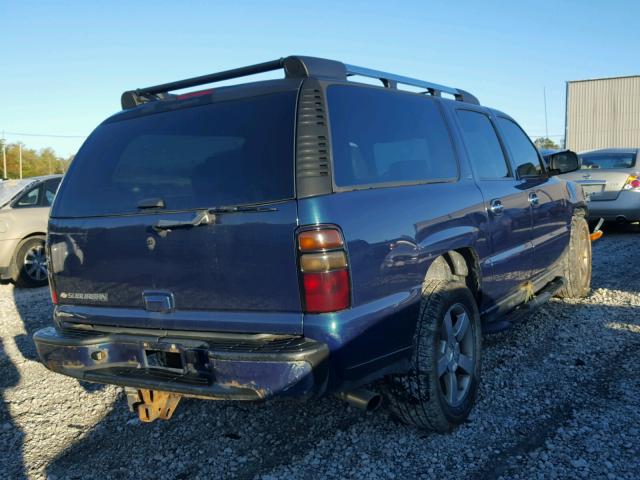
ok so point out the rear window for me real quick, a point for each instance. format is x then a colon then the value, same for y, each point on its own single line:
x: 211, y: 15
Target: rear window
x: 382, y: 137
x: 609, y: 160
x: 227, y: 153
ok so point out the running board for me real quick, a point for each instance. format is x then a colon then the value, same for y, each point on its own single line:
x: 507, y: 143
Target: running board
x: 522, y: 310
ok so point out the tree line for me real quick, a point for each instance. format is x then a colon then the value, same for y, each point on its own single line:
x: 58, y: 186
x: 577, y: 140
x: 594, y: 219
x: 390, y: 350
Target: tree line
x: 44, y: 161
x: 545, y: 143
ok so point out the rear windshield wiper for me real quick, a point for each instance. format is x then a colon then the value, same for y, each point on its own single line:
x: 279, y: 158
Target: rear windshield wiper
x: 202, y: 217
x: 241, y: 208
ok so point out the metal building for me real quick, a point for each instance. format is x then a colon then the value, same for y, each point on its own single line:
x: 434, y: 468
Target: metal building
x: 603, y: 113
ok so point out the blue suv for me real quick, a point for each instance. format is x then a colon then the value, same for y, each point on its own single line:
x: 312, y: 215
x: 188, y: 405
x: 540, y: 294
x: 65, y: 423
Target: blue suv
x: 302, y: 236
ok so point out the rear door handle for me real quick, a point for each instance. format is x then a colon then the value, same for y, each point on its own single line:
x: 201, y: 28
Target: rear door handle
x: 533, y: 199
x: 496, y: 207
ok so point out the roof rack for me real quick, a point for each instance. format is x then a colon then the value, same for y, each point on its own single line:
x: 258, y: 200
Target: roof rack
x: 391, y: 80
x: 294, y: 67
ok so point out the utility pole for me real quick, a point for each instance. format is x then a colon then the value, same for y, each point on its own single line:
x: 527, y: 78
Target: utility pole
x: 4, y: 158
x: 20, y: 157
x: 546, y: 125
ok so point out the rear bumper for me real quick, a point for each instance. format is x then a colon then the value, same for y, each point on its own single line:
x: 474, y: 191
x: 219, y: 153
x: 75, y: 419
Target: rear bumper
x: 626, y: 205
x: 224, y: 367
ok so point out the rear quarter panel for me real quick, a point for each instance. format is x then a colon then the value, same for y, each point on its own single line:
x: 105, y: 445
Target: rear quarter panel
x: 392, y: 235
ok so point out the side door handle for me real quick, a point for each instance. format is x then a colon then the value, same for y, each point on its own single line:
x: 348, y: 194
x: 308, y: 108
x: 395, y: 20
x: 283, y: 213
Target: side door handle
x: 496, y: 207
x: 533, y: 199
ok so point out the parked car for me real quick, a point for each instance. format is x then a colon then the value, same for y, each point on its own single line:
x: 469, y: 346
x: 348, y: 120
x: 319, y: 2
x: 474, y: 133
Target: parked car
x: 304, y: 236
x: 611, y: 180
x: 24, y: 212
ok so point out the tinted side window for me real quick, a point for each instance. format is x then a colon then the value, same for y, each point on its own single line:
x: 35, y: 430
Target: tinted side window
x: 381, y: 137
x: 483, y: 146
x: 524, y: 155
x: 30, y: 198
x: 50, y: 189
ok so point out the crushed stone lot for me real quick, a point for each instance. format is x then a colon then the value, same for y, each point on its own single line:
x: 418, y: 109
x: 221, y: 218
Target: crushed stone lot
x: 560, y: 398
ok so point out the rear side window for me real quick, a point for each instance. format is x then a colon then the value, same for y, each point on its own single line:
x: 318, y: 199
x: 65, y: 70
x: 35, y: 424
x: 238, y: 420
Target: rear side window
x: 523, y: 153
x: 50, y: 189
x: 609, y: 160
x: 383, y: 137
x: 483, y: 146
x: 226, y: 153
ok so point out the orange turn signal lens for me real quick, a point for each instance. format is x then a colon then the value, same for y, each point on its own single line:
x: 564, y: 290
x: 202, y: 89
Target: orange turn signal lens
x: 323, y: 262
x: 318, y: 240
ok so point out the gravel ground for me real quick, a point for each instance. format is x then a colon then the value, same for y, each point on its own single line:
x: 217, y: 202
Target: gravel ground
x: 559, y: 399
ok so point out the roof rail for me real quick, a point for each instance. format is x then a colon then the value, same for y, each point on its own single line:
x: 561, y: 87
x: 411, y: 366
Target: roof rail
x: 294, y: 67
x: 391, y: 80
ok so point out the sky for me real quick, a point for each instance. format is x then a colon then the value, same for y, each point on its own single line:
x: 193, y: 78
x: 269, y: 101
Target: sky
x: 64, y: 64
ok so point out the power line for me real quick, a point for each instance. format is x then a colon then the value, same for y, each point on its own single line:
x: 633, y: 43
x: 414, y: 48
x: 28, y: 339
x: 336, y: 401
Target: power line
x: 42, y: 135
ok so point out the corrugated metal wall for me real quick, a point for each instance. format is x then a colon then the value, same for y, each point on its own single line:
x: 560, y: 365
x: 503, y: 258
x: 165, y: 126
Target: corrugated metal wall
x: 603, y: 113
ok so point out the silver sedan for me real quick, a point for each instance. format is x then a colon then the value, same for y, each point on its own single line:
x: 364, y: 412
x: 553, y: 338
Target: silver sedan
x: 24, y: 213
x: 610, y: 179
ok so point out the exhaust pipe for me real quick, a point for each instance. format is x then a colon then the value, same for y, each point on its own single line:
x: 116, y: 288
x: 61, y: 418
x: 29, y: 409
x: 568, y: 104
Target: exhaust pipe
x: 363, y: 399
x: 621, y: 219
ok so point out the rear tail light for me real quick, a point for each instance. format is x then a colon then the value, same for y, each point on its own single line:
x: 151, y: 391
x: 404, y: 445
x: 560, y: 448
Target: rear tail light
x: 632, y: 183
x: 324, y: 270
x: 52, y: 288
x: 320, y: 240
x: 54, y: 295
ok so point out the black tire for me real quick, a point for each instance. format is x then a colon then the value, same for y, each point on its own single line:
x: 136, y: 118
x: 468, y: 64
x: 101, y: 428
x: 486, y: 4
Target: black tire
x: 577, y: 261
x: 27, y: 273
x: 421, y: 397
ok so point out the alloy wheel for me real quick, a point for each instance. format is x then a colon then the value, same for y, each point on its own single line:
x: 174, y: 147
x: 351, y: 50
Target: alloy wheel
x: 35, y: 263
x: 456, y: 355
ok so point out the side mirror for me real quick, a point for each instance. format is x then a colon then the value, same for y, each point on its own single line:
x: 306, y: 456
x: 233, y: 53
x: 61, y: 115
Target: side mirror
x: 563, y: 162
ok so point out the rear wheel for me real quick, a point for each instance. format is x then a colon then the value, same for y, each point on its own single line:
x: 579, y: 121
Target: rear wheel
x: 31, y: 263
x: 439, y: 391
x: 577, y: 261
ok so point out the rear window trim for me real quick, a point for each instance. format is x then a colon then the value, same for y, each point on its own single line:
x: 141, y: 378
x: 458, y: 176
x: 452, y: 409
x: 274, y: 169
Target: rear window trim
x: 392, y: 184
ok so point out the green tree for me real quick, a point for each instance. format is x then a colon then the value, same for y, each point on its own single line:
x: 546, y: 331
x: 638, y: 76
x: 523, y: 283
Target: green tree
x: 545, y: 143
x: 34, y: 162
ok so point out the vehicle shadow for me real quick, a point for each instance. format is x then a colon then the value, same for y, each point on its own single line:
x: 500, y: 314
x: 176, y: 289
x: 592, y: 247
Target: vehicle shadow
x: 211, y: 439
x: 11, y: 436
x: 36, y: 311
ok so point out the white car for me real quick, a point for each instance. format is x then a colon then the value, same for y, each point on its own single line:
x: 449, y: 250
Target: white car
x: 24, y: 213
